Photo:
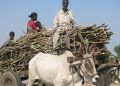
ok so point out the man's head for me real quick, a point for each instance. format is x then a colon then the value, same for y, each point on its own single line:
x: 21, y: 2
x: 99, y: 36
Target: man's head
x: 11, y: 35
x: 65, y: 4
x: 33, y: 16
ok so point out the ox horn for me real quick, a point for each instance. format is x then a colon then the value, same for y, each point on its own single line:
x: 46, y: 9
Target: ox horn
x: 70, y: 59
x: 75, y: 63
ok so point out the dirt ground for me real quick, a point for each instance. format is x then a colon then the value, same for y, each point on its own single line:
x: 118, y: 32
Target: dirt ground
x: 86, y: 84
x: 115, y: 84
x: 89, y: 84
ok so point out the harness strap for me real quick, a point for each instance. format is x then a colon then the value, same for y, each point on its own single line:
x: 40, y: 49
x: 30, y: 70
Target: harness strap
x: 78, y: 72
x: 72, y: 76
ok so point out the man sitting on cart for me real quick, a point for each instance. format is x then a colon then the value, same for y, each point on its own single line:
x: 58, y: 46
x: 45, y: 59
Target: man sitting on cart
x: 10, y: 40
x: 33, y: 25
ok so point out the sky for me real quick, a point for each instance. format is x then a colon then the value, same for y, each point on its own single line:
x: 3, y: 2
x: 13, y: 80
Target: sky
x: 14, y: 15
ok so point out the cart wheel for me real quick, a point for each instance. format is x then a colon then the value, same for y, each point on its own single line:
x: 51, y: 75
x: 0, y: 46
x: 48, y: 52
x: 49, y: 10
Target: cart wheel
x: 10, y: 79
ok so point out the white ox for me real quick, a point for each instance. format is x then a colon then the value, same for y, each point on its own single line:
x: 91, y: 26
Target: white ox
x: 55, y: 70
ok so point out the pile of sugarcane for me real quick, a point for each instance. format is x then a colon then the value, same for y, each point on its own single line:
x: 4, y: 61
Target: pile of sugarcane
x: 15, y: 55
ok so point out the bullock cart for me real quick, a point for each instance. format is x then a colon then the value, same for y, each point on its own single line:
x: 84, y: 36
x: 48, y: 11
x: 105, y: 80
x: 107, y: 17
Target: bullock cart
x: 14, y: 56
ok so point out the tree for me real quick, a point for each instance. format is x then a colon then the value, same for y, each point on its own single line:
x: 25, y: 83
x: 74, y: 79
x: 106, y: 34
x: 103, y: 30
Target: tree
x: 117, y: 50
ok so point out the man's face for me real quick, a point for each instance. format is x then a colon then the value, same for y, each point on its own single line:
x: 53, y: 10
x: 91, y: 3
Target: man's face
x: 65, y: 4
x: 11, y: 37
x: 35, y: 18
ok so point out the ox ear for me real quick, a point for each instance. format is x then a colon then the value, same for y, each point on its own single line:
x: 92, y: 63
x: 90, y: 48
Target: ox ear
x: 70, y: 59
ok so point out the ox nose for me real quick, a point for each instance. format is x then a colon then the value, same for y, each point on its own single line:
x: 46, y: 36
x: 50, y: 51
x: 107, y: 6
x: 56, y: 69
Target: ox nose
x: 95, y: 78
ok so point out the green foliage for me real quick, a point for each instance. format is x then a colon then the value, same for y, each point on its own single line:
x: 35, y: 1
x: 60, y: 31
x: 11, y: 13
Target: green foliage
x: 117, y: 50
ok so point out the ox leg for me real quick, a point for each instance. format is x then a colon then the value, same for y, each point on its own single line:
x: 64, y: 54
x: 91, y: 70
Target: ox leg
x: 40, y: 83
x: 57, y: 84
x: 30, y: 82
x: 32, y: 76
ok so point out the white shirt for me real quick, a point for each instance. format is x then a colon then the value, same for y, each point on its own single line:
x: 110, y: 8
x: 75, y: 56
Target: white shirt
x: 63, y: 18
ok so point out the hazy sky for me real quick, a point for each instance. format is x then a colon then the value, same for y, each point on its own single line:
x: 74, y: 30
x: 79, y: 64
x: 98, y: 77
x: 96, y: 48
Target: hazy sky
x: 14, y: 15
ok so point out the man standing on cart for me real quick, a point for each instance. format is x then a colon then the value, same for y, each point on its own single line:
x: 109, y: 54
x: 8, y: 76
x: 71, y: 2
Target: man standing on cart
x: 63, y: 21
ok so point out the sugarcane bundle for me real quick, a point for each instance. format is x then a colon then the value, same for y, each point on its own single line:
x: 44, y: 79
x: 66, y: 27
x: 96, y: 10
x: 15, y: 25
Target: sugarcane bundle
x: 91, y: 39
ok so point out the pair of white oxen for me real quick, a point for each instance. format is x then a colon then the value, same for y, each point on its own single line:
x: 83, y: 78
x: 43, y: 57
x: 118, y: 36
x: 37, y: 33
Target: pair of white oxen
x: 54, y: 70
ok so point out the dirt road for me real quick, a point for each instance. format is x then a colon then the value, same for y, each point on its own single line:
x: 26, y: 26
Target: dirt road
x: 89, y: 84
